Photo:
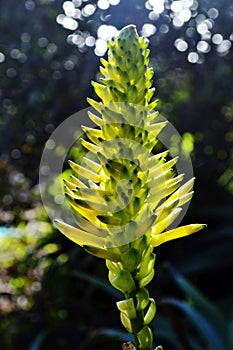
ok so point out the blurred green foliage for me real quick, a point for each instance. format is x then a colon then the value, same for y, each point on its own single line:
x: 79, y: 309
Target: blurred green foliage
x: 52, y: 294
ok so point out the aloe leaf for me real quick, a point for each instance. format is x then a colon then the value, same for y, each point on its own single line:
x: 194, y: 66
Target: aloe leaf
x: 213, y: 341
x: 207, y: 308
x: 97, y: 282
x: 37, y: 342
x: 164, y: 331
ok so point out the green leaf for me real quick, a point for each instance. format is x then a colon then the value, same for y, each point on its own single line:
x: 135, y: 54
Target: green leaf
x: 97, y: 282
x: 164, y: 331
x: 37, y: 342
x: 205, y: 306
x: 213, y: 341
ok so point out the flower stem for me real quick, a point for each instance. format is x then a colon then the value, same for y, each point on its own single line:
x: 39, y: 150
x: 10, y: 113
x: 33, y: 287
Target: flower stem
x: 130, y: 276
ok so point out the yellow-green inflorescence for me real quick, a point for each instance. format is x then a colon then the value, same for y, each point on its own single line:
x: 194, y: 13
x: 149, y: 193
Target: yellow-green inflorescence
x: 125, y: 196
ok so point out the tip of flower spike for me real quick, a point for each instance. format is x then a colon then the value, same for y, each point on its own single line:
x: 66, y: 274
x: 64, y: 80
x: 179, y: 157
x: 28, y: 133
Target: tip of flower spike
x: 129, y: 27
x: 128, y: 32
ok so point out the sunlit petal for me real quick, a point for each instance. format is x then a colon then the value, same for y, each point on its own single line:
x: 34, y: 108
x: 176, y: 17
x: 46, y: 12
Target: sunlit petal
x: 78, y: 236
x: 176, y: 233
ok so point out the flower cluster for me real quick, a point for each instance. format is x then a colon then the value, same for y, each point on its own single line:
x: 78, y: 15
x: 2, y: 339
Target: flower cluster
x: 125, y: 195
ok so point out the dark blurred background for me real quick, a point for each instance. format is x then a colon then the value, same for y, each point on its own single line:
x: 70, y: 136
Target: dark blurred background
x: 53, y: 295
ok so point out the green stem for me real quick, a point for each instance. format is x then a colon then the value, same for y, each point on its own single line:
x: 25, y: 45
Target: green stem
x: 138, y: 322
x: 130, y: 276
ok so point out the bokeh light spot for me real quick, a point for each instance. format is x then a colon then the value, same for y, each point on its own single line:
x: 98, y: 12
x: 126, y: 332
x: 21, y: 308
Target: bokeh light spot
x: 90, y: 41
x: 30, y: 5
x: 77, y: 39
x: 25, y: 37
x: 164, y: 29
x: 217, y: 39
x: 176, y: 6
x: 15, y: 53
x: 188, y: 3
x: 69, y: 23
x: 203, y: 46
x: 202, y: 28
x: 43, y: 42
x: 181, y: 45
x: 200, y: 18
x: 100, y: 47
x: 2, y: 57
x: 57, y: 75
x: 114, y: 2
x: 77, y: 14
x: 194, y: 6
x: 15, y: 153
x: 148, y: 29
x: 193, y: 57
x: 7, y: 199
x: 185, y: 15
x: 59, y: 199
x: 157, y: 5
x: 190, y: 32
x: 69, y: 8
x: 209, y: 23
x: 106, y: 32
x: 60, y: 18
x: 11, y: 73
x: 148, y: 5
x: 77, y: 3
x: 103, y: 4
x: 51, y: 48
x: 153, y: 16
x: 177, y: 22
x: 88, y: 10
x: 213, y: 13
x: 224, y: 47
x: 69, y: 65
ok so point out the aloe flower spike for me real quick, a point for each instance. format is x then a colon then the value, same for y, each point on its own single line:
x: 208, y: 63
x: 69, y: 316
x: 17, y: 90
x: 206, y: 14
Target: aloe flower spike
x: 124, y: 196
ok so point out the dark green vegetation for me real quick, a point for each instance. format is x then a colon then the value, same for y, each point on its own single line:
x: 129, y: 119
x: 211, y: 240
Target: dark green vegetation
x: 52, y: 294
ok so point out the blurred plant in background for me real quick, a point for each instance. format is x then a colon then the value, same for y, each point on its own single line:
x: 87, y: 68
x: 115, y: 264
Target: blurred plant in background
x: 44, y: 79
